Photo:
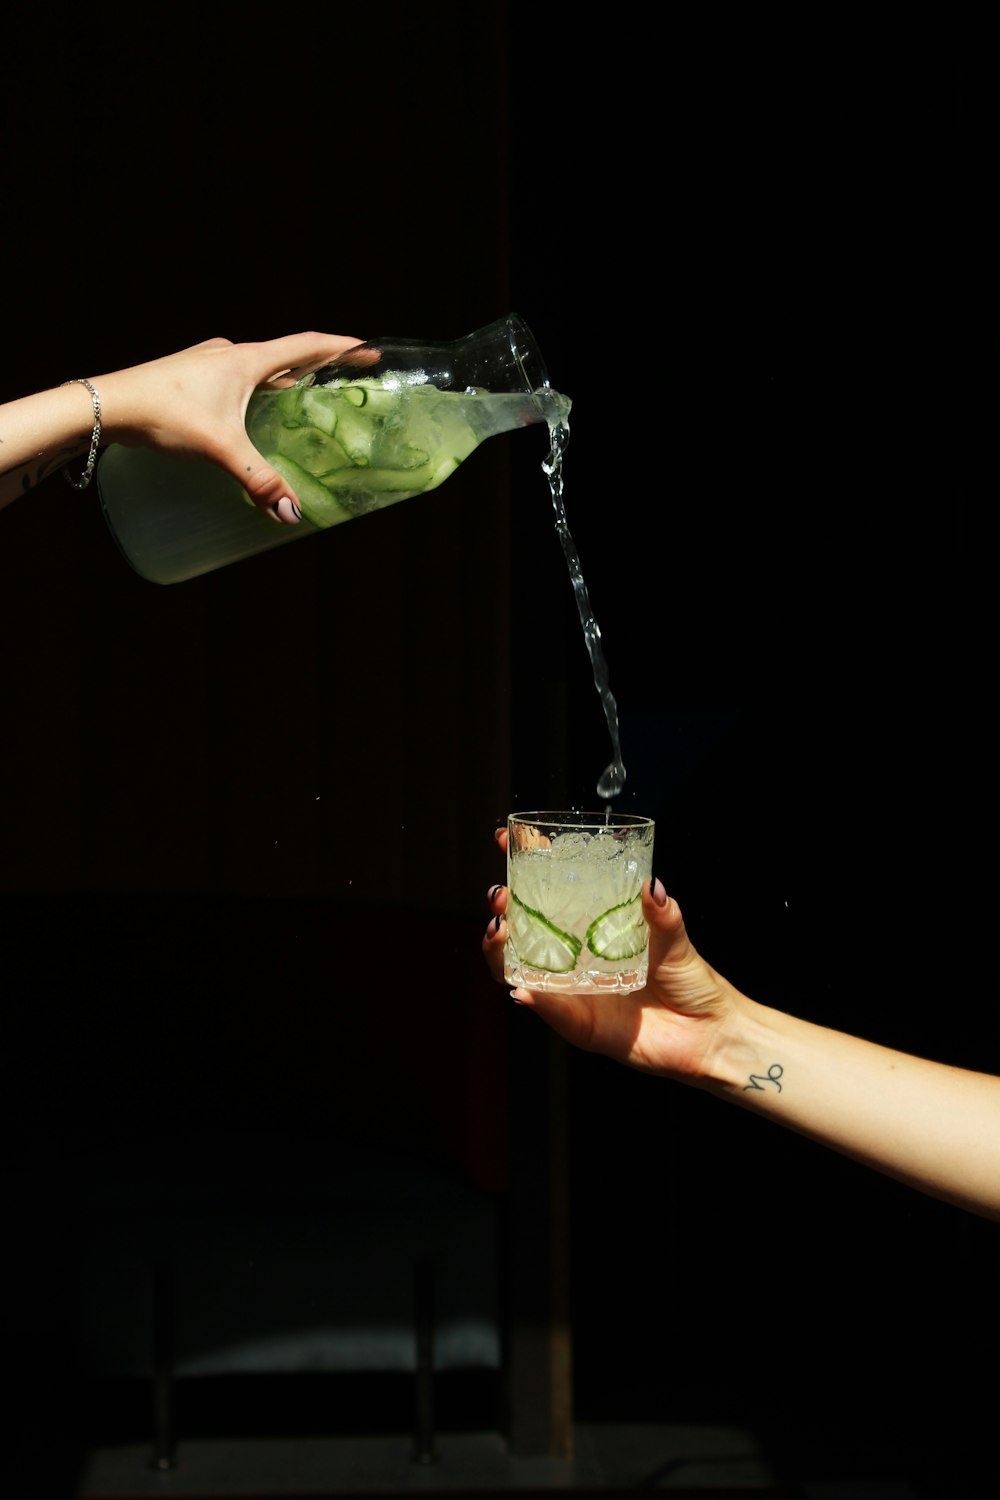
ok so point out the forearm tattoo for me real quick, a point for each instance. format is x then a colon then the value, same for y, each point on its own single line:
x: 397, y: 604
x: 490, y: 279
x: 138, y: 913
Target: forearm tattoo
x: 759, y: 1080
x: 46, y: 465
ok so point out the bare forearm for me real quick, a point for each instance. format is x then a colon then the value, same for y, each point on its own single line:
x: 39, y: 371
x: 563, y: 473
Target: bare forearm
x: 191, y: 403
x: 41, y: 433
x: 930, y: 1125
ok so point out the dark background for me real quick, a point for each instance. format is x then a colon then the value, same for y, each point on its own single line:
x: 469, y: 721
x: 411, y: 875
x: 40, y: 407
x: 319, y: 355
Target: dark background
x: 752, y: 255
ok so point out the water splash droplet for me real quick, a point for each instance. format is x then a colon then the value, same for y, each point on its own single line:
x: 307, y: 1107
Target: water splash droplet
x: 612, y: 780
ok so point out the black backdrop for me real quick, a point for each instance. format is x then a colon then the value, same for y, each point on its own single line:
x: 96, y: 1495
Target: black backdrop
x: 752, y: 259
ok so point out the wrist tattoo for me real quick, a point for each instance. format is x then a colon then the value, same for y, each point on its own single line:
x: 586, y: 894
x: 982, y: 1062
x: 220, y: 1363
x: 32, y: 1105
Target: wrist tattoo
x: 758, y: 1080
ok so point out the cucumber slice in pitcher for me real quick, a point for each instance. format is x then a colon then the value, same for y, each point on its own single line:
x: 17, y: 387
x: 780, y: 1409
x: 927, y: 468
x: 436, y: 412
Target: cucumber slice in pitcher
x: 316, y: 452
x: 319, y: 407
x: 319, y: 507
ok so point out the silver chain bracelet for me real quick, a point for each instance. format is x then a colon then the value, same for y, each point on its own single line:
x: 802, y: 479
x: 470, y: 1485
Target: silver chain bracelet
x: 95, y: 437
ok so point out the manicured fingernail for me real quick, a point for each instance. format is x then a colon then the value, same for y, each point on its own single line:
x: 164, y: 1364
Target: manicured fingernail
x: 518, y: 998
x: 495, y: 892
x: 658, y: 891
x: 496, y: 922
x: 498, y: 831
x: 287, y: 511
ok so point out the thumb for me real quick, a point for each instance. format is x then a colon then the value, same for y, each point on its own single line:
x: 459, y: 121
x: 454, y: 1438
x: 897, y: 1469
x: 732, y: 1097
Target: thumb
x: 268, y: 489
x: 668, y: 939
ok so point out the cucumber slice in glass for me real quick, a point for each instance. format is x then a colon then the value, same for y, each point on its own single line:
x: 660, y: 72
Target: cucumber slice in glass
x: 539, y: 942
x: 620, y: 932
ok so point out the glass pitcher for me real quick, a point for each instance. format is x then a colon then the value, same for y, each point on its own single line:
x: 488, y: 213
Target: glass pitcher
x: 388, y: 419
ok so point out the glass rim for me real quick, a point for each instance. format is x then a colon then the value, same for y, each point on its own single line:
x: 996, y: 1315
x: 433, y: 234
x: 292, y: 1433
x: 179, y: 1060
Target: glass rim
x: 582, y: 819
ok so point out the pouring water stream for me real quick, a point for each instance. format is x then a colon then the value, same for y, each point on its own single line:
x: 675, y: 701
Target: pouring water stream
x: 612, y: 778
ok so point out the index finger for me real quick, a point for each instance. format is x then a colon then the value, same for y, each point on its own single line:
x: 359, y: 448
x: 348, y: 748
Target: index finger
x: 297, y: 354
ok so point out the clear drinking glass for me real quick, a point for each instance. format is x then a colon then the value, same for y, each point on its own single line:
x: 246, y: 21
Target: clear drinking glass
x: 574, y: 910
x: 388, y: 419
